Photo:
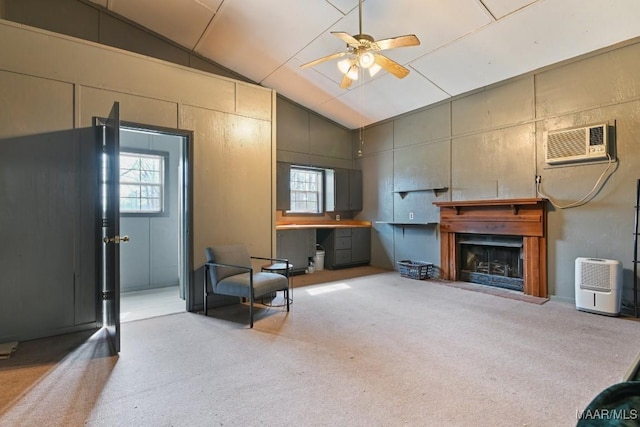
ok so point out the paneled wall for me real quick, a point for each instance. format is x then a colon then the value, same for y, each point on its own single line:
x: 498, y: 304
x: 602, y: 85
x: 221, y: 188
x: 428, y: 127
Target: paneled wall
x: 490, y: 144
x: 51, y: 83
x: 306, y: 138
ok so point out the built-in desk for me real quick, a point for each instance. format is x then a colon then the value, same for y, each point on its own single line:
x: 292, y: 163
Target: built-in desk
x: 346, y: 243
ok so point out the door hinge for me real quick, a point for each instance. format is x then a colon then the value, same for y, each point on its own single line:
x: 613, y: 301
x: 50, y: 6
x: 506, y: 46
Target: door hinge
x: 106, y: 295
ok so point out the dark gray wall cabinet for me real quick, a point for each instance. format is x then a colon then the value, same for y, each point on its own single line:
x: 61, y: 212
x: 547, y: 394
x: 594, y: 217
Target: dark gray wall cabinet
x: 347, y: 190
x: 283, y: 187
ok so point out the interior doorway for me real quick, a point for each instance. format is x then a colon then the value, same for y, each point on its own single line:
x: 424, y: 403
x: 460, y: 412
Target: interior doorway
x: 154, y: 271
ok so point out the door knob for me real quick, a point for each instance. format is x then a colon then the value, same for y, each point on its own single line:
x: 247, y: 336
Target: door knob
x: 116, y: 239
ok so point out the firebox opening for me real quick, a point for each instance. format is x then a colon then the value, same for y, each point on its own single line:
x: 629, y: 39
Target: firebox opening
x: 492, y: 260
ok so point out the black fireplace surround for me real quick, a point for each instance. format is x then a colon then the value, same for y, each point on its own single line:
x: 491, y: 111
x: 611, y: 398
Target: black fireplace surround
x: 492, y: 260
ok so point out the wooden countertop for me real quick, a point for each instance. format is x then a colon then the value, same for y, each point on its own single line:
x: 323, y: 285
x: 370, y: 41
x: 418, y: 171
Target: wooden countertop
x: 297, y: 225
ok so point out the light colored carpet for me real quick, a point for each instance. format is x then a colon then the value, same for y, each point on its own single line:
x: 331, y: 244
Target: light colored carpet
x: 379, y: 350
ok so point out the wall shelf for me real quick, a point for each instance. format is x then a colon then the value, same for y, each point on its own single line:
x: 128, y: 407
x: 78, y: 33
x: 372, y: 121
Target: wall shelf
x: 436, y: 191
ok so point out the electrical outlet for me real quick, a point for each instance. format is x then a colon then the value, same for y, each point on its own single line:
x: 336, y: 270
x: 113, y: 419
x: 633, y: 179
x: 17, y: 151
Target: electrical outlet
x: 538, y: 179
x: 410, y: 215
x: 337, y: 217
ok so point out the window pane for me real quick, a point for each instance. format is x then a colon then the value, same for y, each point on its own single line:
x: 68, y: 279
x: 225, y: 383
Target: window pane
x: 306, y: 190
x: 141, y: 183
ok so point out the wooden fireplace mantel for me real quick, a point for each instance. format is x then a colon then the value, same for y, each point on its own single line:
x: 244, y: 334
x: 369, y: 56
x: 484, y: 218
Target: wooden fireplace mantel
x: 515, y: 217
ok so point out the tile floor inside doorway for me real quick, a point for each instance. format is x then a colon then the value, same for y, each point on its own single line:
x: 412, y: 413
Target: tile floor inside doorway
x: 138, y: 305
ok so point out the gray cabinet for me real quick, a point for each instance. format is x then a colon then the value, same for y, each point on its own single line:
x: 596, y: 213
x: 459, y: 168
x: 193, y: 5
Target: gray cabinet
x: 345, y: 190
x: 360, y: 245
x: 355, y: 190
x: 283, y: 189
x: 297, y: 246
x: 346, y: 247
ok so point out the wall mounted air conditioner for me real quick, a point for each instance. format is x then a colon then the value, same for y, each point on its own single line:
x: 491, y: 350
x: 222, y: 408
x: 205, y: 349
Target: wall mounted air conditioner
x: 598, y: 285
x: 576, y: 145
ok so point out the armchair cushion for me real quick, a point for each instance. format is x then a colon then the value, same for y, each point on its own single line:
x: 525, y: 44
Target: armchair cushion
x: 263, y: 284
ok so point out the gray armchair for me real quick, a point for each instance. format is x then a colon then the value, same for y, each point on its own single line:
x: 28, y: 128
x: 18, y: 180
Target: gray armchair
x: 228, y: 271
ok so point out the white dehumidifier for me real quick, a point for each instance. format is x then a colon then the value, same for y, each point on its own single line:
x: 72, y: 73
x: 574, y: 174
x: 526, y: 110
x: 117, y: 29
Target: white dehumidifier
x: 598, y: 285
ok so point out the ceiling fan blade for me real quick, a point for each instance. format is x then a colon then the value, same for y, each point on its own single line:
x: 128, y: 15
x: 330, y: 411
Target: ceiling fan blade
x: 346, y: 82
x: 323, y: 59
x: 347, y: 38
x: 391, y: 66
x: 400, y: 41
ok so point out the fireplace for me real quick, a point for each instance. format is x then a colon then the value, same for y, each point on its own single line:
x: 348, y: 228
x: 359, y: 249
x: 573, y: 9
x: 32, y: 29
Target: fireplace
x: 495, y: 242
x: 491, y: 260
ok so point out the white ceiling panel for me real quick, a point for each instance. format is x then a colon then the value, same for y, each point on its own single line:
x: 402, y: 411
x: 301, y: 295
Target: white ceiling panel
x: 465, y: 44
x: 182, y: 21
x: 254, y: 37
x: 309, y: 89
x: 388, y: 96
x: 501, y: 8
x: 558, y: 30
x: 344, y: 6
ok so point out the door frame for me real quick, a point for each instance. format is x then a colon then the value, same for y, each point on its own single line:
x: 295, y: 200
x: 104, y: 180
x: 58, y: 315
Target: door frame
x: 186, y: 269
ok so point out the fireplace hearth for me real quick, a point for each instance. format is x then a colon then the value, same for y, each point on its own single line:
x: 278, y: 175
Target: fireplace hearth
x: 495, y: 242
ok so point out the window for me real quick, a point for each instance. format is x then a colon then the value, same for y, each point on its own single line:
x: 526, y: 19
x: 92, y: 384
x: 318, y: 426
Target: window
x: 306, y: 190
x: 142, y: 182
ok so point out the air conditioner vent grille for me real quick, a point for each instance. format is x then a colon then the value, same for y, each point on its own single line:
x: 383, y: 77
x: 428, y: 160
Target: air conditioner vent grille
x: 595, y: 277
x: 566, y: 144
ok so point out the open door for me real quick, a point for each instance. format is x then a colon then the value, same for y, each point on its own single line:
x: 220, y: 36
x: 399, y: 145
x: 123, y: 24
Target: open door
x: 111, y: 239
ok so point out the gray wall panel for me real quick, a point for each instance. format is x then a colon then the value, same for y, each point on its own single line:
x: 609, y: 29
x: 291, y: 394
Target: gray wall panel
x: 327, y: 139
x: 377, y: 138
x: 502, y: 105
x: 117, y: 33
x: 608, y: 78
x: 377, y: 194
x: 293, y: 127
x: 72, y: 18
x: 423, y: 126
x: 496, y: 164
x: 421, y: 167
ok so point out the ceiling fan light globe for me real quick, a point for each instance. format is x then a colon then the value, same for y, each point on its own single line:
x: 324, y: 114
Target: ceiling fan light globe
x: 373, y: 70
x: 344, y: 65
x: 367, y: 60
x: 353, y: 72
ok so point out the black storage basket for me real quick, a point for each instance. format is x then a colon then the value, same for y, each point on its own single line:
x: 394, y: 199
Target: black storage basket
x: 419, y: 270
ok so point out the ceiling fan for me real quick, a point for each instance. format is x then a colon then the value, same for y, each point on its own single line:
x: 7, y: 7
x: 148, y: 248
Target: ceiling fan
x: 363, y: 52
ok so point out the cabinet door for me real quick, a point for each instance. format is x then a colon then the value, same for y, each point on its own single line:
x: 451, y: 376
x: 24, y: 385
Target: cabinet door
x: 361, y: 245
x: 283, y: 189
x: 355, y: 190
x: 293, y: 245
x: 341, y: 190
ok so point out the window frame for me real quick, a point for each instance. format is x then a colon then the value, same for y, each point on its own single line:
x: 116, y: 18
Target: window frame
x: 164, y: 211
x: 321, y: 195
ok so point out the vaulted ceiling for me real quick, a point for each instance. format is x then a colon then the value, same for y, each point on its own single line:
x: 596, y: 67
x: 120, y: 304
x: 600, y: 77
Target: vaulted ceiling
x: 465, y: 44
